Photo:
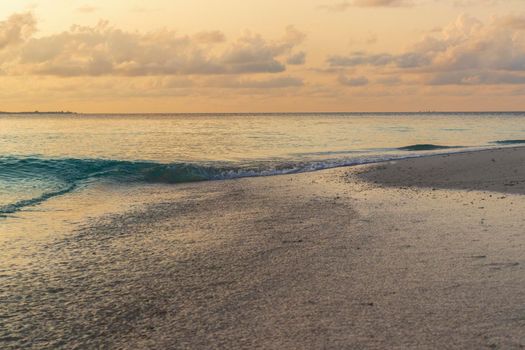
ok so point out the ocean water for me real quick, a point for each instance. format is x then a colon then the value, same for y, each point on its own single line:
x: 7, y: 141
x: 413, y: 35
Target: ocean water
x: 47, y: 156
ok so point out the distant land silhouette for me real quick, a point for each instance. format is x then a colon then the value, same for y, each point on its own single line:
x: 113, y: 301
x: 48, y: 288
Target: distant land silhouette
x: 39, y: 112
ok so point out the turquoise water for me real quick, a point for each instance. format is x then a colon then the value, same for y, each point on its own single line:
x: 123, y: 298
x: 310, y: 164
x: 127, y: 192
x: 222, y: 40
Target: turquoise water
x: 48, y: 156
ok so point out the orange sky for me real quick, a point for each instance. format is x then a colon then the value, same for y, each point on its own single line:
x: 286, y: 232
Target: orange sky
x: 258, y: 56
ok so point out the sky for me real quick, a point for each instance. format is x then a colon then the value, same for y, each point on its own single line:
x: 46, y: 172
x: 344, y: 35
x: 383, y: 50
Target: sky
x: 125, y: 56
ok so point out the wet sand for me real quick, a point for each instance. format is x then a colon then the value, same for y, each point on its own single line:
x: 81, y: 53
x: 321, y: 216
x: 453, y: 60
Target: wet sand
x: 421, y: 253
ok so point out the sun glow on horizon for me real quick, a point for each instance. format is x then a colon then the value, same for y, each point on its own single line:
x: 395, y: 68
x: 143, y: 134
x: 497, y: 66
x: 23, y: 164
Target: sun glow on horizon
x: 262, y: 56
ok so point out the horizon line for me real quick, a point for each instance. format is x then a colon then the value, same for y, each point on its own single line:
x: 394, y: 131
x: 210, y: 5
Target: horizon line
x: 264, y: 113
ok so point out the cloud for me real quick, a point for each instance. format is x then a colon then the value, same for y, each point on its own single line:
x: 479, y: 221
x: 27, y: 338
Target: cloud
x: 477, y: 78
x: 243, y: 83
x: 210, y: 37
x: 514, y: 22
x: 344, y: 5
x: 347, y: 4
x: 252, y: 54
x: 360, y: 58
x: 16, y: 29
x: 298, y: 58
x: 470, y: 44
x: 357, y: 81
x: 392, y: 80
x: 406, y: 60
x: 104, y: 50
x: 467, y: 51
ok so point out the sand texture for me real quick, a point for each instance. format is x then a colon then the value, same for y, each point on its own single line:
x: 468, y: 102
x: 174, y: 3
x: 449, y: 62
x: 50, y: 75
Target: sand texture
x: 417, y: 254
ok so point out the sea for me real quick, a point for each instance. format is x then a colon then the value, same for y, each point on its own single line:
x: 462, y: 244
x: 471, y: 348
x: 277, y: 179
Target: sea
x: 45, y: 156
x: 61, y: 283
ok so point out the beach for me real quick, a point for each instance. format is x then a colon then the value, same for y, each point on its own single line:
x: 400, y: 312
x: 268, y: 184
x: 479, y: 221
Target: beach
x: 328, y: 174
x: 422, y: 253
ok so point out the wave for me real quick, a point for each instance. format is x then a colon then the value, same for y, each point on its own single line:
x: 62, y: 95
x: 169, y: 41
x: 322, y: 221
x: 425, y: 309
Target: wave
x: 66, y: 174
x: 14, y: 207
x: 425, y: 147
x: 509, y: 142
x: 63, y: 175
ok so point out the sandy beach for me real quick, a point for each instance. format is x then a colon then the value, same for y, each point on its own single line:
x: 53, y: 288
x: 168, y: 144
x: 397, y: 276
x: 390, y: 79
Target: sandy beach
x: 416, y: 254
x: 199, y: 175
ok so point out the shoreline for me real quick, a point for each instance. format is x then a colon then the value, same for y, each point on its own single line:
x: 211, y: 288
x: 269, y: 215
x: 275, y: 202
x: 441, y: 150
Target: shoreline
x: 418, y: 253
x: 16, y: 207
